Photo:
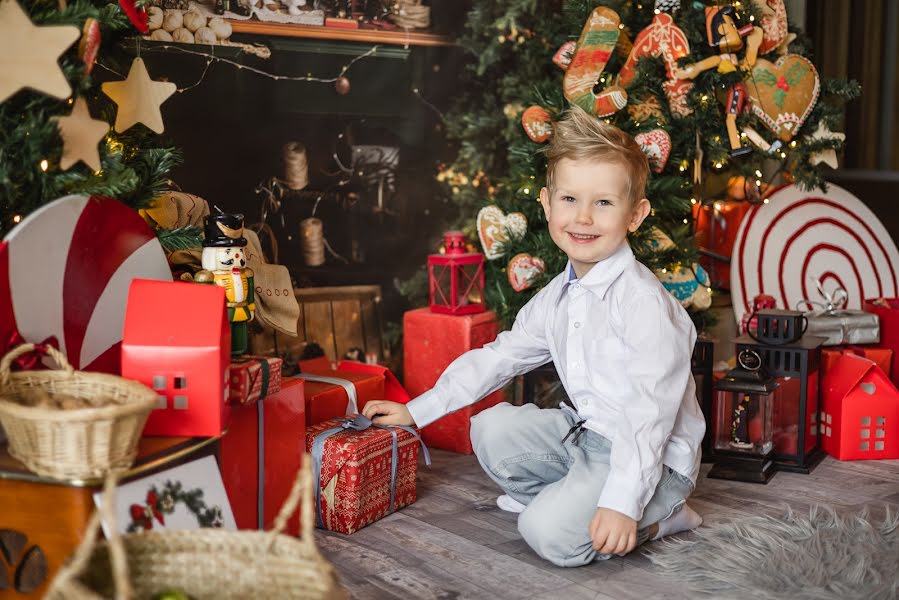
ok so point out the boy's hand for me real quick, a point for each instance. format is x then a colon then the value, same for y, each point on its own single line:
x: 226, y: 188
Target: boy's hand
x: 390, y: 413
x: 612, y: 532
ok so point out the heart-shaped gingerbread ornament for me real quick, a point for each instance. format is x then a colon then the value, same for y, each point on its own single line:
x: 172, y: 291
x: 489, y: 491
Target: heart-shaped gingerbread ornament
x: 494, y: 228
x: 783, y: 93
x: 537, y: 123
x: 656, y: 145
x: 523, y: 269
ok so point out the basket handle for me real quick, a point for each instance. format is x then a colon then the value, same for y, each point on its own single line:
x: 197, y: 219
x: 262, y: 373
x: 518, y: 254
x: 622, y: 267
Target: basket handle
x: 77, y: 564
x: 56, y: 355
x: 300, y: 494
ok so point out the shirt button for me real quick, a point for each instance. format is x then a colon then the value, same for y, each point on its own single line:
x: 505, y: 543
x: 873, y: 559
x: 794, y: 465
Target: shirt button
x: 577, y: 286
x: 577, y: 324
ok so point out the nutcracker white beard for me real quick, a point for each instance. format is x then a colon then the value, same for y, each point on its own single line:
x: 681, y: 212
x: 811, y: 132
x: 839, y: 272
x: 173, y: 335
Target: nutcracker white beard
x: 223, y: 259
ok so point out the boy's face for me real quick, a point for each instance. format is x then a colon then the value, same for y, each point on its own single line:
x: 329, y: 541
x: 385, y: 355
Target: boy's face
x: 589, y: 211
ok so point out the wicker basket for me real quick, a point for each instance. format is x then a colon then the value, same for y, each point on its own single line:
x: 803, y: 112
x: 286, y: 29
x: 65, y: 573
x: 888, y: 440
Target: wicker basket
x: 205, y: 563
x: 82, y: 443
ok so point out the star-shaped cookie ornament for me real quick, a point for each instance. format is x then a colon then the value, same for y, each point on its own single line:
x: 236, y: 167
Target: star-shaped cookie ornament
x: 828, y: 157
x: 139, y: 98
x: 29, y: 53
x: 80, y: 136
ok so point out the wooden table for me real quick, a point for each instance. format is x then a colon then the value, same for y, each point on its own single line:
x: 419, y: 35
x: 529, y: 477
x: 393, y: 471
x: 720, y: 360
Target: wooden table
x: 52, y: 513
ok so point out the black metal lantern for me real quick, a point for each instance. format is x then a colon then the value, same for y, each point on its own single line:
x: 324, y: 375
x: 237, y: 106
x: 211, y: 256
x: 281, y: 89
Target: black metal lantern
x: 702, y: 364
x: 794, y: 359
x: 742, y: 427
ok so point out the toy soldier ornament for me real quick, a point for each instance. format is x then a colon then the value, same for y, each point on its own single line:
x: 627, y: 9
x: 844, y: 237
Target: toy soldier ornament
x: 224, y: 262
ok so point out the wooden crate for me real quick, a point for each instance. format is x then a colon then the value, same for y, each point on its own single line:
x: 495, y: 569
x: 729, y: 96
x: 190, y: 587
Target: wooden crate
x: 336, y: 318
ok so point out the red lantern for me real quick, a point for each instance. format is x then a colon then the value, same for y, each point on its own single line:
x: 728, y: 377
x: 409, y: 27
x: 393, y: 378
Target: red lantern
x: 456, y: 278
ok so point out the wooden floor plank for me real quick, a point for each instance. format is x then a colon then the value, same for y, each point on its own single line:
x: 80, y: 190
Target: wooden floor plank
x: 455, y: 544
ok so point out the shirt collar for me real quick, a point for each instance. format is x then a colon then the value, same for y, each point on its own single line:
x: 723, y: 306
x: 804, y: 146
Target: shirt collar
x: 603, y: 274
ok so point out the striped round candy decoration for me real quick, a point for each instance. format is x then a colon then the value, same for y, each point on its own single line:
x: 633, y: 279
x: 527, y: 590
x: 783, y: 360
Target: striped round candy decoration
x: 65, y: 271
x: 800, y: 237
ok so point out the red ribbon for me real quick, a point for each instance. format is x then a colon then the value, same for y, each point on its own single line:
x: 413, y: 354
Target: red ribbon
x: 31, y: 360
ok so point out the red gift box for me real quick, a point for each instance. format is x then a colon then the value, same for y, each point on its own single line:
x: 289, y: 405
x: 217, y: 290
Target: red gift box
x: 328, y: 400
x: 356, y: 466
x: 251, y: 376
x: 860, y: 411
x: 888, y: 311
x: 882, y: 357
x: 275, y: 462
x: 431, y: 341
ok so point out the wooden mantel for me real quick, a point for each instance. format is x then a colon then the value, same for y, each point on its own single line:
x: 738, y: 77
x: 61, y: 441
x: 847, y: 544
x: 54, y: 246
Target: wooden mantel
x: 374, y: 36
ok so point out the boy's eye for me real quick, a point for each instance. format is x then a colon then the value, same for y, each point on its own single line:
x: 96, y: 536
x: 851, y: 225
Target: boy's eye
x: 604, y: 203
x: 568, y: 199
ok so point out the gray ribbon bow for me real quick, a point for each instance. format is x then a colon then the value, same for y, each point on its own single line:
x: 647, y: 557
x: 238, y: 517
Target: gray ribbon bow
x: 357, y: 423
x: 832, y: 302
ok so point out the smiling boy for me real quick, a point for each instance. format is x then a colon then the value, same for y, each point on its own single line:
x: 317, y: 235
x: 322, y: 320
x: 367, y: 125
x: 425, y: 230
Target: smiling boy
x: 615, y: 468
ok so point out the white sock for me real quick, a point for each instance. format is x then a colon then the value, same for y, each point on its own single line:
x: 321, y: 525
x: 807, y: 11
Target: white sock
x: 683, y: 520
x: 509, y: 504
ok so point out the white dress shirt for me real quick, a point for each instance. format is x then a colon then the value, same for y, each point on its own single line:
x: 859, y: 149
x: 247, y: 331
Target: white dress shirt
x: 622, y: 346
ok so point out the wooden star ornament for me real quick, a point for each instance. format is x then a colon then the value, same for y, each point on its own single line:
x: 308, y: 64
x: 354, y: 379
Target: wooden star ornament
x: 80, y: 136
x: 828, y: 157
x: 139, y: 98
x: 29, y: 53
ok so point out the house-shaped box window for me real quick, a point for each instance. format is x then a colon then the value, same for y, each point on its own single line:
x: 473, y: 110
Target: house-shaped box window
x: 177, y: 341
x: 860, y: 411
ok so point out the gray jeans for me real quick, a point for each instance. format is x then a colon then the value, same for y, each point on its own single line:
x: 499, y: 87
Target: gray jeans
x: 521, y: 449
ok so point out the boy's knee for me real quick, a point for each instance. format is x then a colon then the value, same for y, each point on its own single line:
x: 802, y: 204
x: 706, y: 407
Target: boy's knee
x: 488, y: 427
x: 544, y: 535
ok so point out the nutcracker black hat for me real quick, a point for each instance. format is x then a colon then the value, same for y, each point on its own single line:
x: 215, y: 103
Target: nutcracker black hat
x: 224, y: 230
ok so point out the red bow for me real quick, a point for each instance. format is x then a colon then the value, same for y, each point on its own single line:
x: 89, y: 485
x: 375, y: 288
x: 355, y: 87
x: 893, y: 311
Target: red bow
x: 31, y: 360
x: 143, y: 515
x: 137, y: 16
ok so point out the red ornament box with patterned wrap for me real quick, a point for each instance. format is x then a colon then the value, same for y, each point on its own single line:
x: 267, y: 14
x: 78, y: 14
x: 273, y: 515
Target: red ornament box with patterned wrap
x: 252, y: 377
x: 261, y: 453
x: 364, y: 472
x: 431, y: 341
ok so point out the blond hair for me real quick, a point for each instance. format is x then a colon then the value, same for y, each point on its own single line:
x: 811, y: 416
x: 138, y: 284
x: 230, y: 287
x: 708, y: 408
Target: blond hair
x: 580, y: 135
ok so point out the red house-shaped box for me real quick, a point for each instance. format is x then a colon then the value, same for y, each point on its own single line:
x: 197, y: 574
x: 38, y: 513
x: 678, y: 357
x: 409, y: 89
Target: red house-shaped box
x: 860, y: 411
x: 177, y: 341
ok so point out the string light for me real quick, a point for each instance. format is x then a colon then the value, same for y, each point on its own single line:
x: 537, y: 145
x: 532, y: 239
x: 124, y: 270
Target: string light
x: 765, y: 201
x: 758, y: 173
x: 664, y: 270
x: 527, y: 190
x: 16, y: 218
x: 704, y: 97
x: 718, y: 165
x: 686, y: 221
x: 793, y: 144
x: 210, y: 58
x: 44, y: 165
x: 693, y: 200
x: 758, y: 183
x: 717, y: 205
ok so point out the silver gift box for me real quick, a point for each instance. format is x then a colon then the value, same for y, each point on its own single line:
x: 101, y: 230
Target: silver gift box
x: 845, y: 327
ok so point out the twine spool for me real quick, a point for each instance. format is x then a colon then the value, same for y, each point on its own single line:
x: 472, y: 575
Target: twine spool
x: 411, y: 14
x: 296, y: 166
x: 313, y: 242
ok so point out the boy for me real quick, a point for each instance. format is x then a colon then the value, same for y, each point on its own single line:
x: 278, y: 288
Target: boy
x: 616, y: 470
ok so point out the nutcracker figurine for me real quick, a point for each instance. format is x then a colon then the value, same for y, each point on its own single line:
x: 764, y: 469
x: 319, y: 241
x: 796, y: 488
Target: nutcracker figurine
x: 224, y: 263
x: 723, y: 33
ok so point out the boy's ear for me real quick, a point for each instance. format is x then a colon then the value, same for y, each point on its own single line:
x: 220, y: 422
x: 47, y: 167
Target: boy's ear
x: 640, y: 212
x: 544, y: 201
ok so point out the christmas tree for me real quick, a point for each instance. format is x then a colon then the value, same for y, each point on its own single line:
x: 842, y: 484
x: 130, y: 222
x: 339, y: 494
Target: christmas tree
x: 705, y: 88
x: 55, y: 123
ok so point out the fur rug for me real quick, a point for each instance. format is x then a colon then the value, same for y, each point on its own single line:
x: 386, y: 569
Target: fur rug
x: 819, y: 556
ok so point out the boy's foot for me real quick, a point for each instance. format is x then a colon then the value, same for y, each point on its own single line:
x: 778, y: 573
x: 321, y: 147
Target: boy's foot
x: 509, y: 504
x: 683, y: 520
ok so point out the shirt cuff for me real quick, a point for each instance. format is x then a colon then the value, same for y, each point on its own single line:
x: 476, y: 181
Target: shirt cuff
x: 426, y: 409
x: 625, y: 494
